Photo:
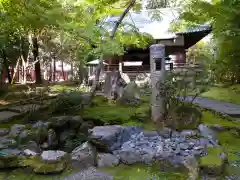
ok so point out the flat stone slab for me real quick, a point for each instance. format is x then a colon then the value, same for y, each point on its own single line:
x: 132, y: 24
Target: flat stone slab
x: 5, y: 115
x: 25, y: 108
x: 219, y: 106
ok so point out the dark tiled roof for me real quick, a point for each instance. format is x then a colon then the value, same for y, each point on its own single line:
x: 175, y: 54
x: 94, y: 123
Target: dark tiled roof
x: 205, y: 27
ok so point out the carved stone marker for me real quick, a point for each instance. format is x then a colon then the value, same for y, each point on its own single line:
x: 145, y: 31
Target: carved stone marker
x: 157, y: 65
x: 114, y: 85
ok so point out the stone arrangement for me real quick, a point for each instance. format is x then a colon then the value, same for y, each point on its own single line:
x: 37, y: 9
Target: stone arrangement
x: 39, y: 146
x: 134, y: 145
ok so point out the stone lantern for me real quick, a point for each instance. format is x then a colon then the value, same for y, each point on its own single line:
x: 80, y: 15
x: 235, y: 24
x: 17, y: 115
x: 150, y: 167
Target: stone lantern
x: 158, y: 73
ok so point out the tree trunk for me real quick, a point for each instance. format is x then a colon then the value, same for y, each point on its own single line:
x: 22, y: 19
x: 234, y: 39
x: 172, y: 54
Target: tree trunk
x: 1, y: 79
x: 100, y: 66
x: 54, y: 69
x: 37, y: 66
x: 15, y: 71
x: 24, y: 60
x: 50, y: 73
x: 6, y: 65
x: 24, y: 72
x: 72, y: 74
x: 63, y: 75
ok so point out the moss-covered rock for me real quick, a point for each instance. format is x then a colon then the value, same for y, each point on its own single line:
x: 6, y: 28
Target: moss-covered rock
x: 43, y: 167
x: 214, y: 162
x: 9, y: 158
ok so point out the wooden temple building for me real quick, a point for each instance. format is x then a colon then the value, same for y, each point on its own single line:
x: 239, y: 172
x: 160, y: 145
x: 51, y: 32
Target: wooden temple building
x: 176, y: 43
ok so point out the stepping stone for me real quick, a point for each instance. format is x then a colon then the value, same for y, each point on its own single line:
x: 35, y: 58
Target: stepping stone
x: 6, y: 115
x: 218, y: 106
x: 25, y: 108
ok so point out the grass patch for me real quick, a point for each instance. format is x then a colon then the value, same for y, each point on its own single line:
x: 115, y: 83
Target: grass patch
x: 143, y: 172
x: 11, y: 123
x: 228, y: 140
x: 212, y: 159
x: 211, y: 119
x: 113, y: 113
x: 230, y: 144
x: 228, y: 94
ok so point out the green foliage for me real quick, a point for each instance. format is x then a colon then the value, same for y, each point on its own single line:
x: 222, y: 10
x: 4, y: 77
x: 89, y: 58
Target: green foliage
x: 178, y: 88
x: 184, y: 117
x: 223, y: 16
x: 73, y: 140
x: 65, y: 30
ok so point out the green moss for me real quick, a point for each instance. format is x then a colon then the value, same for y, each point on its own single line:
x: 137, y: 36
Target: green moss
x: 228, y: 94
x: 112, y: 113
x: 143, y: 112
x: 25, y: 174
x: 212, y: 159
x: 230, y: 144
x: 210, y: 119
x: 11, y: 123
x: 143, y: 172
x: 42, y: 167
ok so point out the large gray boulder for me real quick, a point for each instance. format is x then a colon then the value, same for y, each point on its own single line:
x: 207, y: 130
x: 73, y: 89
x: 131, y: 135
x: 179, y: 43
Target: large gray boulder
x: 132, y: 156
x: 16, y: 129
x: 130, y: 95
x: 89, y: 174
x: 114, y: 85
x: 59, y: 122
x: 84, y: 155
x: 209, y: 134
x: 7, y: 142
x: 3, y: 131
x: 110, y: 138
x: 9, y: 158
x: 53, y: 156
x: 107, y: 160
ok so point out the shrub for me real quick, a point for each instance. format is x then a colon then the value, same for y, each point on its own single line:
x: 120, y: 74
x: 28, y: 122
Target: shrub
x: 66, y: 102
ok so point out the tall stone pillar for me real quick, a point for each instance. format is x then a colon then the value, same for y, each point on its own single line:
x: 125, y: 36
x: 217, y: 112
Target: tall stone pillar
x: 157, y: 66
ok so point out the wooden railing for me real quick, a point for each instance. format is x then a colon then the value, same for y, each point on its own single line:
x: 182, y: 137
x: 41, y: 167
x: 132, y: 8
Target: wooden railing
x: 146, y: 68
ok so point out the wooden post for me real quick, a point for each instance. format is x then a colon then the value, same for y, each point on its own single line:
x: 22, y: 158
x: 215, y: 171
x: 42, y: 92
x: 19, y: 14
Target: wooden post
x: 157, y: 65
x: 120, y: 64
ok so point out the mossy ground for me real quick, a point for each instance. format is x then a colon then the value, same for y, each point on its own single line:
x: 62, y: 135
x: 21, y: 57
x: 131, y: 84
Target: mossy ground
x: 25, y: 174
x: 212, y: 158
x: 224, y: 93
x: 143, y: 172
x: 211, y: 119
x: 110, y: 113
